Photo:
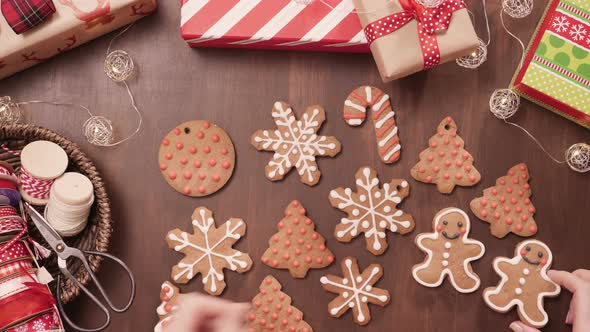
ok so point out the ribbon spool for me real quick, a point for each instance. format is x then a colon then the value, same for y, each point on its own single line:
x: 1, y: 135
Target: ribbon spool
x: 41, y: 163
x: 9, y: 194
x: 71, y: 198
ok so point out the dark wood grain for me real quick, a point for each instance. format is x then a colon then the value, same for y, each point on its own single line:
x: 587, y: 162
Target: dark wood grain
x: 236, y: 89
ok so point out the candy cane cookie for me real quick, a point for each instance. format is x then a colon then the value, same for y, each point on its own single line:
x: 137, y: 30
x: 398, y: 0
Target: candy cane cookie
x: 355, y: 112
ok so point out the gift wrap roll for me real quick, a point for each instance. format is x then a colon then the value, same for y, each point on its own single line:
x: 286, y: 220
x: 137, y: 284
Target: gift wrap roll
x: 399, y: 54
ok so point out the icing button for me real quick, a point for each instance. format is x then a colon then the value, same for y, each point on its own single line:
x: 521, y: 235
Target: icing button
x: 518, y: 291
x: 448, y: 245
x: 526, y: 272
x: 445, y: 263
x: 521, y: 281
x: 446, y: 255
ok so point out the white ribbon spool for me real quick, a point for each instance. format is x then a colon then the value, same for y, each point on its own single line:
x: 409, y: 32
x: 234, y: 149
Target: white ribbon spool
x: 70, y: 200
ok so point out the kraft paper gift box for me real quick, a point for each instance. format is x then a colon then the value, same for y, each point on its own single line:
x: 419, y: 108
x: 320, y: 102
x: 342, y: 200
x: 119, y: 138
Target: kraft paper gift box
x: 75, y: 22
x: 273, y: 24
x: 400, y: 53
x: 556, y: 69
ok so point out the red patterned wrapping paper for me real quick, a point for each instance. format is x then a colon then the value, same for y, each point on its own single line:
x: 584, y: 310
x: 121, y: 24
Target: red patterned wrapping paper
x: 273, y: 24
x: 74, y: 23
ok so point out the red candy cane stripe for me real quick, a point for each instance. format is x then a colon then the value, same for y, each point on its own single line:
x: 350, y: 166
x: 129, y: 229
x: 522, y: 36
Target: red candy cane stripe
x: 34, y: 187
x: 430, y: 21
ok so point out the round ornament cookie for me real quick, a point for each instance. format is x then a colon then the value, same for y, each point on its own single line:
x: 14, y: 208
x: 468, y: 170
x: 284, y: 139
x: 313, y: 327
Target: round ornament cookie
x: 197, y: 158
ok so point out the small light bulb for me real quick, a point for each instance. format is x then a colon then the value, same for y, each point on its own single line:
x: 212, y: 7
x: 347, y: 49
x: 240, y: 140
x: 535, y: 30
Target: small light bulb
x: 474, y: 54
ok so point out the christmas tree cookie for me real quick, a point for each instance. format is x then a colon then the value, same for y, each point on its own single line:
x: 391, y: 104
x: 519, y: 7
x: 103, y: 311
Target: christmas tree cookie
x: 507, y: 206
x: 297, y: 246
x: 272, y: 310
x: 445, y: 162
x: 169, y: 295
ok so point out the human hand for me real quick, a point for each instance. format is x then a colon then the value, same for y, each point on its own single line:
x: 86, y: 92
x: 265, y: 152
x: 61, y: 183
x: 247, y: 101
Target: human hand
x: 202, y: 313
x: 578, y: 314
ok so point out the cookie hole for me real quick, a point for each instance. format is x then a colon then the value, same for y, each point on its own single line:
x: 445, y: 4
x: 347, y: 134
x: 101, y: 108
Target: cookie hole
x: 447, y: 127
x: 187, y: 130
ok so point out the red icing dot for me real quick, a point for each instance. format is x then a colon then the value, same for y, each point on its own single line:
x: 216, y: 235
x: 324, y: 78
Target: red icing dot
x: 524, y: 218
x: 279, y: 307
x: 265, y: 260
x: 296, y: 263
x: 429, y: 178
x: 433, y: 145
x: 308, y: 221
x: 202, y: 176
x: 513, y: 200
x: 508, y: 221
x: 308, y: 259
x: 184, y: 161
x: 302, y: 231
x: 215, y: 138
x: 225, y: 164
x: 275, y: 251
x: 285, y: 322
x: 206, y: 125
x: 454, y: 153
x: 168, y: 156
x: 515, y: 180
x: 458, y: 176
x: 179, y: 146
x: 201, y: 189
x: 287, y: 243
x: 502, y: 199
x: 282, y: 297
x: 447, y: 141
x: 509, y: 190
x: 286, y: 257
x: 511, y: 172
x: 315, y: 236
x: 251, y: 317
x: 436, y: 169
x: 441, y: 134
x: 172, y: 175
x: 465, y: 156
x: 494, y: 191
x: 439, y: 228
x: 308, y: 246
x: 522, y: 167
x: 262, y: 322
x: 533, y: 229
x: 483, y: 213
x: 527, y: 201
x: 494, y: 205
x: 289, y: 231
x: 274, y: 316
x: 200, y: 134
x: 322, y: 247
x: 531, y: 209
x: 483, y: 202
x: 472, y: 178
x: 319, y: 260
x: 421, y: 170
x: 526, y: 186
x: 192, y: 149
x: 275, y: 263
x: 295, y: 203
x: 430, y: 158
x: 165, y: 142
x: 212, y: 162
x: 520, y: 193
x: 496, y: 215
x: 288, y: 213
x: 447, y: 163
x: 207, y: 149
x: 216, y: 178
x: 187, y: 175
x: 441, y: 154
x: 330, y: 259
x: 467, y: 168
x: 302, y: 212
x: 502, y: 181
x: 518, y: 209
x: 275, y: 238
x: 223, y: 151
x: 197, y: 164
x: 446, y: 176
x: 507, y: 209
x: 457, y: 143
x: 297, y: 252
x: 176, y: 131
x: 257, y: 304
x: 518, y: 227
x: 459, y: 163
x: 163, y: 167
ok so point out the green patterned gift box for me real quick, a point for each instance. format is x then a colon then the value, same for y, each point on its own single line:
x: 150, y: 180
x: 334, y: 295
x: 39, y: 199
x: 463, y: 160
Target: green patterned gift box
x: 556, y: 70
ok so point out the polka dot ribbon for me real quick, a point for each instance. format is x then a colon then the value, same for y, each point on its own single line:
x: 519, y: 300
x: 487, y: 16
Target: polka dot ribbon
x: 430, y: 22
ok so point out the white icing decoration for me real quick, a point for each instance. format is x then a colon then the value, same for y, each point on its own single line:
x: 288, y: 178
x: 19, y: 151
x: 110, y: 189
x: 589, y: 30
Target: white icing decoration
x: 299, y: 139
x: 518, y: 291
x: 522, y: 281
x: 358, y: 291
x: 446, y: 255
x: 516, y: 301
x: 377, y: 211
x: 355, y: 212
x: 345, y: 294
x: 207, y: 249
x: 467, y: 272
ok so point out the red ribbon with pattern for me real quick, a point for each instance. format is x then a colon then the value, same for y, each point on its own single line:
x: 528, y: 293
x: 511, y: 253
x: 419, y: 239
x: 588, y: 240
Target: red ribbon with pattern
x: 430, y: 21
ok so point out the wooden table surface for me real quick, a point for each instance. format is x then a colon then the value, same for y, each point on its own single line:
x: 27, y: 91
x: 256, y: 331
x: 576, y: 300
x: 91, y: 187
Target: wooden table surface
x: 236, y: 89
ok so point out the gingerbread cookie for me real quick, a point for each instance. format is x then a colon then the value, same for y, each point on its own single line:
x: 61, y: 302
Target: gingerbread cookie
x: 524, y: 283
x: 297, y: 246
x: 208, y: 250
x: 507, y: 206
x: 355, y: 290
x: 272, y: 310
x: 372, y: 210
x: 445, y: 162
x: 295, y: 143
x: 169, y: 296
x: 197, y: 158
x: 450, y: 252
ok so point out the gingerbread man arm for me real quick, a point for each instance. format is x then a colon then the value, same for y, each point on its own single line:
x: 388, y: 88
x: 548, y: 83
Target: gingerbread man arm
x: 474, y: 248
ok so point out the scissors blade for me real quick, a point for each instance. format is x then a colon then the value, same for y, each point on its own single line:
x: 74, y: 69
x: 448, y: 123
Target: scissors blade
x: 50, y: 235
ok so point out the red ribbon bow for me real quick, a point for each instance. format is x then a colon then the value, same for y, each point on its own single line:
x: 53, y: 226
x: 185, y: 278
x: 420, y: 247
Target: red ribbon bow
x: 430, y: 21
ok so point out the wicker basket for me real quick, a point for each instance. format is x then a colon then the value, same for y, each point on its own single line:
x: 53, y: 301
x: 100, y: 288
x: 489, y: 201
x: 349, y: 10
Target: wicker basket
x: 97, y: 234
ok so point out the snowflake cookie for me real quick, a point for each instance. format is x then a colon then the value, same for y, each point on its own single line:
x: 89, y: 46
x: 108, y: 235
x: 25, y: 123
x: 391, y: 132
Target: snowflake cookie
x: 355, y: 290
x: 208, y: 250
x: 295, y: 143
x: 372, y: 210
x: 524, y: 283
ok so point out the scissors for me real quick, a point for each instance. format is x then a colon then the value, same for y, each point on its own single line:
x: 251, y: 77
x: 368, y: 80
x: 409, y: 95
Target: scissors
x: 64, y: 252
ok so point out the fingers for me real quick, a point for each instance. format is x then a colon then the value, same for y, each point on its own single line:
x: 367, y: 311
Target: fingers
x: 197, y: 312
x: 566, y: 279
x: 582, y: 274
x: 234, y: 320
x: 521, y: 327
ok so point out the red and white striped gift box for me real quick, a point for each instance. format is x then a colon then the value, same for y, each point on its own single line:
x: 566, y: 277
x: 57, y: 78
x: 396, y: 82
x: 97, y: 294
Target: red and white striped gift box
x: 273, y: 24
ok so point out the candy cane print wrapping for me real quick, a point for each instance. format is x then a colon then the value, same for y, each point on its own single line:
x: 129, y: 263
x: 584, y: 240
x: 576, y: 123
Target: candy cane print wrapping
x: 273, y: 24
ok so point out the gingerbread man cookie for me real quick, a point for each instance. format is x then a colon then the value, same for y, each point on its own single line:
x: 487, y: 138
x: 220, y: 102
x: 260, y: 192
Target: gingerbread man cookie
x: 445, y: 162
x: 355, y: 290
x: 297, y: 246
x: 197, y: 158
x: 507, y: 206
x: 450, y: 252
x: 355, y: 111
x: 295, y: 143
x: 524, y: 283
x: 169, y: 295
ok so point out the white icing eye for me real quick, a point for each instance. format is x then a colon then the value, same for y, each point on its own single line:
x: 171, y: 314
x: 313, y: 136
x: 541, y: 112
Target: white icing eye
x: 355, y: 212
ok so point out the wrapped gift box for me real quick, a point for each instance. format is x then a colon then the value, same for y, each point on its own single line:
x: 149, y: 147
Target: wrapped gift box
x: 401, y: 43
x: 556, y: 70
x: 273, y: 24
x: 74, y: 23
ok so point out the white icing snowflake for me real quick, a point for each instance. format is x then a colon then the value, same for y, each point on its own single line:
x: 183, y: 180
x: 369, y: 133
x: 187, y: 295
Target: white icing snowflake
x: 372, y: 210
x: 560, y: 23
x: 209, y: 250
x: 295, y: 143
x: 578, y: 32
